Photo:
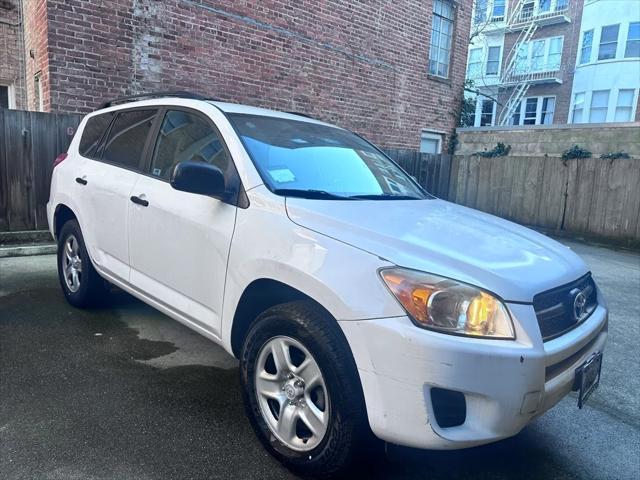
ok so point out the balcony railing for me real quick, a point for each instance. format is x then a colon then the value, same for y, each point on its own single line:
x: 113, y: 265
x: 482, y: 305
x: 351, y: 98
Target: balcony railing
x: 526, y: 15
x: 552, y: 75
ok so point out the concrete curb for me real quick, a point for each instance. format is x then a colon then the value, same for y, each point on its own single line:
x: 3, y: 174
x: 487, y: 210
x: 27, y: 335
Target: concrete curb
x: 27, y: 250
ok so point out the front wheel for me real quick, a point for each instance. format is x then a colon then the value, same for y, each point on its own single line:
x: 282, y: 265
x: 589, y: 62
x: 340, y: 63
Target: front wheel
x: 301, y: 389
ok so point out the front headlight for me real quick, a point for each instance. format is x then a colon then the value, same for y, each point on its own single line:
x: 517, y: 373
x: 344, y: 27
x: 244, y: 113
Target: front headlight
x: 449, y: 306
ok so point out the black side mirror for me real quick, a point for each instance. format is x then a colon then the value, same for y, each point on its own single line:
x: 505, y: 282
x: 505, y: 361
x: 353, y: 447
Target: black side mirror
x: 198, y: 177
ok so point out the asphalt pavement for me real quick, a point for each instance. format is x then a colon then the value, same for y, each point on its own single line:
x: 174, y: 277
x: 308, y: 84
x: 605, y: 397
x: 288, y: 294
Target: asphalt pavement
x: 123, y: 392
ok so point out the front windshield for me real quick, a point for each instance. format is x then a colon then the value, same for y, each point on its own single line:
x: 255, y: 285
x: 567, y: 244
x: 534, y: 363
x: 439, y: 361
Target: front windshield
x: 298, y: 158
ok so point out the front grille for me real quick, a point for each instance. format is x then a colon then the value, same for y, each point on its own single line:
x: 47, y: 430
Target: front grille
x: 558, y: 310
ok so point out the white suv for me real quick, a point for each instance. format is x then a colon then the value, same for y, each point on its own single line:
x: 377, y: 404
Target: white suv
x: 355, y: 301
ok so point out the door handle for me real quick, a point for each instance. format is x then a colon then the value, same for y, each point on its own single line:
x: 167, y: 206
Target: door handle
x: 81, y: 181
x: 140, y: 201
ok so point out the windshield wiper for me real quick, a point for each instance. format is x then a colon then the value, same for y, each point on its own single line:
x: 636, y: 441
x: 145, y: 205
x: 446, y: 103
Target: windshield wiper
x: 386, y: 196
x: 313, y: 194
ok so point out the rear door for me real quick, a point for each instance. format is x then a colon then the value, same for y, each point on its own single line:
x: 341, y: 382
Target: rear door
x: 179, y: 242
x: 107, y: 178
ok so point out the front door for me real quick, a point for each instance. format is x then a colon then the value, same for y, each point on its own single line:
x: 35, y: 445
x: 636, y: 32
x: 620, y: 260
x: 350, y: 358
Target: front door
x: 179, y: 242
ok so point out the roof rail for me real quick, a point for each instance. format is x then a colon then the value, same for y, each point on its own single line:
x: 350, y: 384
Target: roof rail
x: 145, y: 96
x: 301, y: 115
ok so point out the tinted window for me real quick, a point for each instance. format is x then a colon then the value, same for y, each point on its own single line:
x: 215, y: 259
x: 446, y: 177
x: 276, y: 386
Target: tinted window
x: 186, y: 136
x: 127, y: 138
x: 303, y: 157
x: 93, y: 132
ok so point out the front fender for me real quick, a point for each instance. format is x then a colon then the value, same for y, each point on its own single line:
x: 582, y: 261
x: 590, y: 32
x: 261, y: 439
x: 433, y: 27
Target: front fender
x: 268, y: 245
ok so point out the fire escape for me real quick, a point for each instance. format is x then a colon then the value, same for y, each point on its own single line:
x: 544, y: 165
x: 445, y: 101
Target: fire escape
x: 525, y: 17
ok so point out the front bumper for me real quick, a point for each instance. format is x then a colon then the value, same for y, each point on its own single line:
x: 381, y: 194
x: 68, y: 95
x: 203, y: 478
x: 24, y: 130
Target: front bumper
x: 505, y: 384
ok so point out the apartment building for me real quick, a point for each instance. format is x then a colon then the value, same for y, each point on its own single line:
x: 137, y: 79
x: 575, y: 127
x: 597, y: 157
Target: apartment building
x: 12, y: 81
x: 542, y: 62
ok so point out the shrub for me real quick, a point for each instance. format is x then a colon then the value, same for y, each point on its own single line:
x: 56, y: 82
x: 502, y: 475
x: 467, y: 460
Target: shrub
x: 575, y: 152
x: 500, y: 150
x: 615, y: 155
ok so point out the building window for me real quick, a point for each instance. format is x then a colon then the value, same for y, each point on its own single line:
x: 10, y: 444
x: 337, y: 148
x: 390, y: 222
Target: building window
x: 515, y: 118
x: 4, y: 96
x: 486, y: 113
x: 633, y: 41
x: 497, y: 13
x: 578, y: 108
x: 474, y: 69
x: 544, y: 6
x: 599, y: 106
x: 608, y: 42
x: 37, y: 92
x: 562, y: 5
x: 440, y: 52
x: 530, y: 111
x: 527, y: 10
x: 481, y: 11
x: 431, y: 143
x: 555, y: 54
x: 548, y: 109
x: 542, y: 55
x: 537, y: 56
x: 624, y: 105
x: 587, y: 43
x: 493, y: 60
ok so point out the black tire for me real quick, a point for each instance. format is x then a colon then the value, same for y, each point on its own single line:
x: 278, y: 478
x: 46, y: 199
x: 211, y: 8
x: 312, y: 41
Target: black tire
x: 348, y: 430
x: 92, y: 288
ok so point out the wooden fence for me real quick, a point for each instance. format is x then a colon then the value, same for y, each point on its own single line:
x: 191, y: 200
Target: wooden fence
x: 431, y: 171
x: 29, y: 142
x: 590, y: 196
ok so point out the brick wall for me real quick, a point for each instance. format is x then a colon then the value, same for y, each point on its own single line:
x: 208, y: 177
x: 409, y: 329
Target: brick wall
x: 11, y: 49
x: 362, y: 65
x: 571, y: 33
x: 36, y: 51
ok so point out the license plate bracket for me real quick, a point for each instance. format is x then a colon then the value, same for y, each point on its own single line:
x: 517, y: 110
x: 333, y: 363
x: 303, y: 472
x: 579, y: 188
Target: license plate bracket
x: 588, y: 377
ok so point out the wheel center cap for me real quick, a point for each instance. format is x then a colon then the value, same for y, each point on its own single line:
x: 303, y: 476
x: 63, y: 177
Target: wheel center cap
x: 293, y: 389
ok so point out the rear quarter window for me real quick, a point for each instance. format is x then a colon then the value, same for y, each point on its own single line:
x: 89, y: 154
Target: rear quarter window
x: 93, y: 132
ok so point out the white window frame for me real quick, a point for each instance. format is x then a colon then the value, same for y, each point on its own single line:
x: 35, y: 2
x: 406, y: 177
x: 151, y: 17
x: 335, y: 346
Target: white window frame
x: 582, y: 47
x: 37, y: 81
x: 546, y: 47
x: 521, y: 111
x: 499, y: 61
x: 605, y: 108
x: 582, y: 108
x: 11, y: 95
x: 632, y: 107
x: 480, y: 63
x: 479, y: 103
x: 627, y: 40
x: 617, y: 43
x: 432, y: 135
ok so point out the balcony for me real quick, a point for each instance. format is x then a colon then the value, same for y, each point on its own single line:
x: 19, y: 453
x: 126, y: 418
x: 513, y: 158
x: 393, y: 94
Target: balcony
x: 552, y: 76
x: 542, y: 18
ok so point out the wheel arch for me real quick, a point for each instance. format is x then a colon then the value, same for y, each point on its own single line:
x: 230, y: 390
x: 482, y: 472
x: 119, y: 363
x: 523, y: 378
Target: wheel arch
x: 62, y: 215
x: 258, y: 296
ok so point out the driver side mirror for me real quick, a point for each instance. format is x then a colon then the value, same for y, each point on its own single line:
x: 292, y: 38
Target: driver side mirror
x: 199, y: 178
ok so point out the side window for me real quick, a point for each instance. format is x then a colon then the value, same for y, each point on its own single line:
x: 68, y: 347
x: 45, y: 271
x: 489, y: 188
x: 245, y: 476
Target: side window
x: 93, y: 132
x: 186, y: 136
x: 127, y: 138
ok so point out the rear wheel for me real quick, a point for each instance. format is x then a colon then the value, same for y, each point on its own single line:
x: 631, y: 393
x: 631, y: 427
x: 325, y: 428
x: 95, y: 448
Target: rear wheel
x: 81, y: 284
x: 301, y: 389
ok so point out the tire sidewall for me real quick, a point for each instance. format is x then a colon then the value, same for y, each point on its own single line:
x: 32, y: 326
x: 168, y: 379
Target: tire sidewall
x: 79, y: 297
x: 336, y: 443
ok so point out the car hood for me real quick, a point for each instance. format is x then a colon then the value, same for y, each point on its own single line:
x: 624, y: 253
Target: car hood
x: 446, y: 239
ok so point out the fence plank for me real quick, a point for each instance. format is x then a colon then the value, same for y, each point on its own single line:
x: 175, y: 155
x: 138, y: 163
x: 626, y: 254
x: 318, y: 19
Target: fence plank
x: 4, y: 181
x: 19, y: 170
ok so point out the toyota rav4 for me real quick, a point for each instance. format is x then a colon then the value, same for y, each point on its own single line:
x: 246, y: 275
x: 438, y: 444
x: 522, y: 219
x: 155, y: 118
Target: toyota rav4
x: 356, y: 302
